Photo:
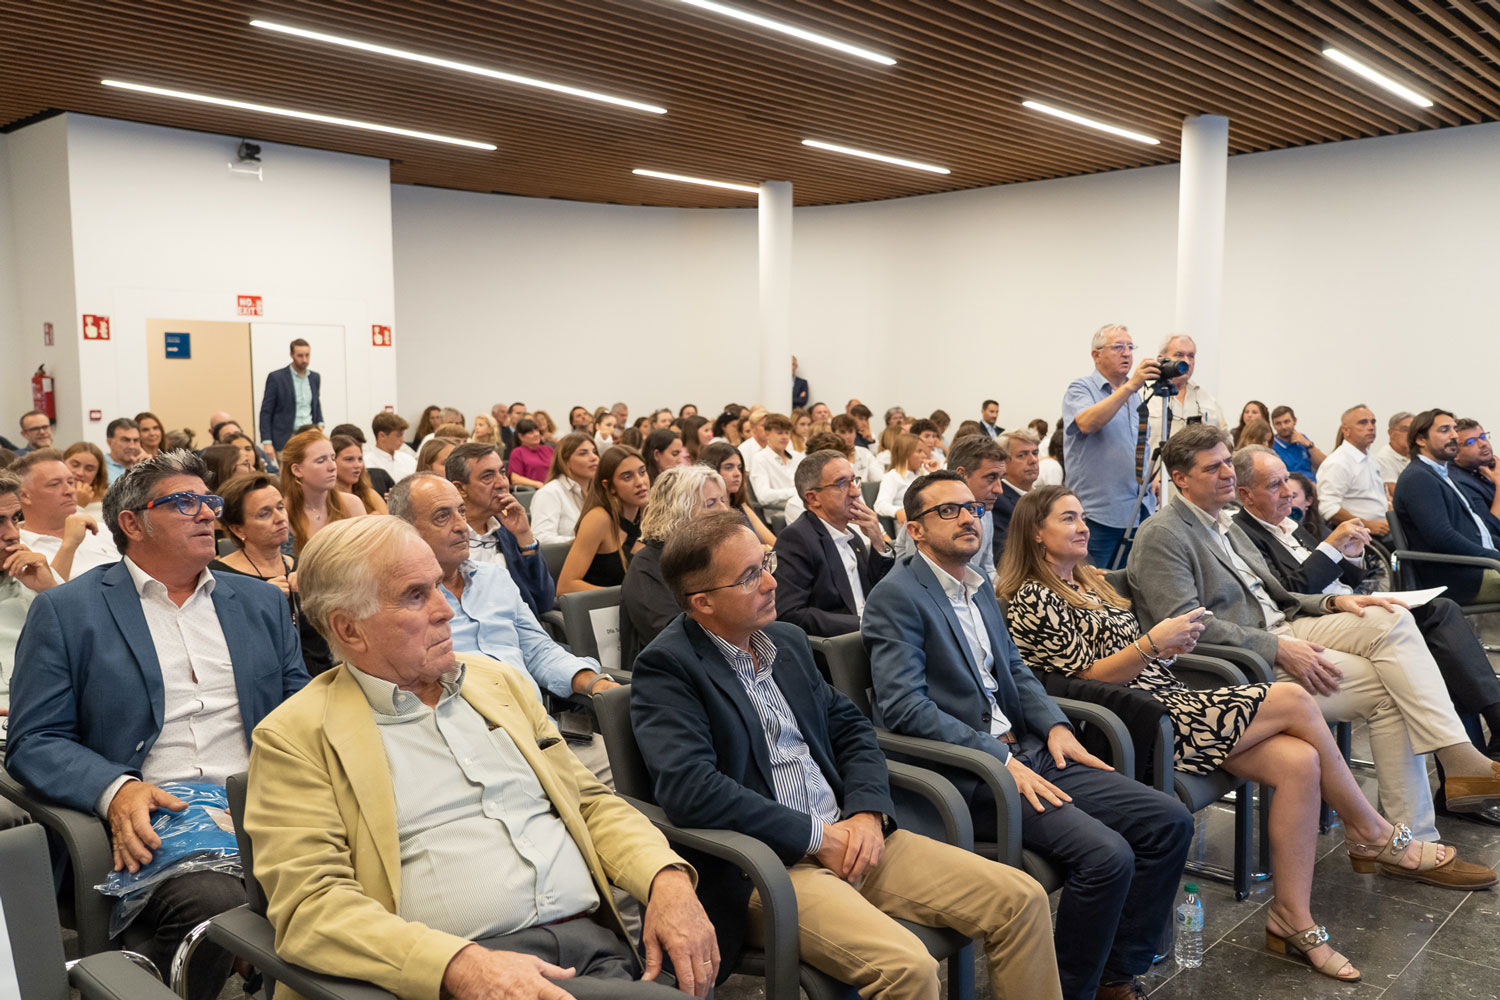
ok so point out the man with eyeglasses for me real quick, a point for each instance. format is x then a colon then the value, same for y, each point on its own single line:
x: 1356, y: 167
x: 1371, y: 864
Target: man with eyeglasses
x: 1473, y: 472
x: 741, y: 733
x: 146, y: 672
x: 1106, y: 447
x: 830, y: 557
x: 37, y: 430
x: 499, y: 527
x: 944, y: 668
x: 1350, y: 486
x: 981, y: 461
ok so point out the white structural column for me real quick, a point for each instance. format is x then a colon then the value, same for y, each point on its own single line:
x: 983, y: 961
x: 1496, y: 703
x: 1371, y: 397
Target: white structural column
x: 775, y: 218
x: 1200, y: 240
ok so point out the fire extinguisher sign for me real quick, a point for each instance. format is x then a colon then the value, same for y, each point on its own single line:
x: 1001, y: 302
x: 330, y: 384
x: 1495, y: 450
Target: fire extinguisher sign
x: 95, y: 327
x: 380, y: 336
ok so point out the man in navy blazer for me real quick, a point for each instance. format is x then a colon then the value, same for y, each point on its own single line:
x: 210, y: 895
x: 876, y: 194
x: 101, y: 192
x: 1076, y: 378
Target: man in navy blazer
x: 148, y: 671
x: 290, y: 400
x: 944, y: 668
x: 828, y: 559
x: 740, y: 732
x: 1437, y: 517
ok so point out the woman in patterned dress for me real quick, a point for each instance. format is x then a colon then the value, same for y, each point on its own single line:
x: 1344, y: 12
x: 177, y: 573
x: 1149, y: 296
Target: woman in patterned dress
x: 1064, y: 616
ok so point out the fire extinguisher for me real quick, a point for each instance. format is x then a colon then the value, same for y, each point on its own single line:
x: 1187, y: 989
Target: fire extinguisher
x: 41, y: 393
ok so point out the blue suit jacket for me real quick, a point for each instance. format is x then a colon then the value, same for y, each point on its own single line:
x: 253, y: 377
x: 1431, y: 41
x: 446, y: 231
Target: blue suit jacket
x: 926, y: 680
x: 1435, y: 521
x: 278, y: 406
x: 87, y: 701
x: 812, y: 588
x: 711, y: 766
x: 529, y: 572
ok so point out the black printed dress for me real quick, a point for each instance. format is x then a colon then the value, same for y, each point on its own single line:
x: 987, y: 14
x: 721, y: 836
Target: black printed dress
x: 1054, y: 635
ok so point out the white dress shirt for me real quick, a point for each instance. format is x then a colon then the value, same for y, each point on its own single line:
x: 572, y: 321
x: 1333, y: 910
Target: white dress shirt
x: 749, y: 448
x: 1351, y: 479
x: 1285, y: 533
x: 487, y: 553
x: 843, y: 541
x: 772, y: 476
x: 202, y: 734
x: 892, y: 491
x: 961, y: 596
x: 15, y: 601
x: 94, y: 550
x: 1391, y: 462
x: 555, y: 509
x: 399, y: 465
x: 866, y: 465
x: 1050, y: 472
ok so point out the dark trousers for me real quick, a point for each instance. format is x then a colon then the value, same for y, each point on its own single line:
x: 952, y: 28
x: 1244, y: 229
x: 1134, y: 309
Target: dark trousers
x: 602, y: 962
x: 1122, y: 844
x: 1460, y: 657
x: 176, y: 907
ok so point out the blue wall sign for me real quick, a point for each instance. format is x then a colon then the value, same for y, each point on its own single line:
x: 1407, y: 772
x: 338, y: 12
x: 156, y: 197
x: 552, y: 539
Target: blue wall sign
x: 179, y: 345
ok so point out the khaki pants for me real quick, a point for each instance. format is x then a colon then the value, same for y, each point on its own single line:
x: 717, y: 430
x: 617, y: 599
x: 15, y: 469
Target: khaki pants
x: 1391, y: 681
x: 848, y: 931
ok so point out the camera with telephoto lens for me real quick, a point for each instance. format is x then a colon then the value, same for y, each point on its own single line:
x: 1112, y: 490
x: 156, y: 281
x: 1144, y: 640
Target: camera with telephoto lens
x: 1162, y: 385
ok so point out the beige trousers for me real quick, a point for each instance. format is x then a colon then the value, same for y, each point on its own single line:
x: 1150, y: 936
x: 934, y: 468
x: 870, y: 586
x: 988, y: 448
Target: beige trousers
x: 848, y: 931
x: 1390, y: 681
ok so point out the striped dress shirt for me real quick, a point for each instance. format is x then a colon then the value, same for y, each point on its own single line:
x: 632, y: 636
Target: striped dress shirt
x: 798, y: 781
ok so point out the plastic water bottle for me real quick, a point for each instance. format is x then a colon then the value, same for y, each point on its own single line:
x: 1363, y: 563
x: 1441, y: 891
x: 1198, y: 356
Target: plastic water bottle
x: 1189, y: 947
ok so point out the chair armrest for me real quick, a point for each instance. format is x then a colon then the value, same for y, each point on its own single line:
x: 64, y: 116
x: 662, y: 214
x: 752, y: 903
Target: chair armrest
x: 1207, y: 671
x: 110, y: 975
x: 87, y: 843
x: 1256, y: 669
x: 1443, y: 557
x: 939, y: 793
x: 1121, y: 748
x: 248, y: 935
x: 978, y: 764
x: 771, y: 881
x: 552, y: 621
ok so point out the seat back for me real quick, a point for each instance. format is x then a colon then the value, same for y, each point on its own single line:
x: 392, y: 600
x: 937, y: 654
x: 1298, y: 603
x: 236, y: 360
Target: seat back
x: 31, y: 914
x: 847, y: 666
x: 554, y: 554
x: 612, y: 710
x: 578, y: 620
x: 1405, y: 577
x: 524, y: 497
x: 870, y: 489
x: 237, y: 786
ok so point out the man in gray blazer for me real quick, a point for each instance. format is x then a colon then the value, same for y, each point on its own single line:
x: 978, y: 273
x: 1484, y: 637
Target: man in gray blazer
x: 1362, y: 657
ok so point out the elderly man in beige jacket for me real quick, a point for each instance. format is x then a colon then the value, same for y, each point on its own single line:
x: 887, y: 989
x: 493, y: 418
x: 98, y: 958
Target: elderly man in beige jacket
x: 420, y: 825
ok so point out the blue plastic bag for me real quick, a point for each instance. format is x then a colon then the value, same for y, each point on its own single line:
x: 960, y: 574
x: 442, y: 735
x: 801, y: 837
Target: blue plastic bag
x: 198, y: 839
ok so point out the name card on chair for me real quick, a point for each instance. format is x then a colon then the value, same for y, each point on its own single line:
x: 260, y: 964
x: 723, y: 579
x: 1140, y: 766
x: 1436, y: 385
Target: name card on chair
x: 606, y: 625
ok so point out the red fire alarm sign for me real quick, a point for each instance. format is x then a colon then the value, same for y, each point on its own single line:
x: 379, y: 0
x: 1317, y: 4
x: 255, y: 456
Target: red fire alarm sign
x: 249, y: 305
x: 95, y: 327
x: 96, y: 415
x: 380, y: 336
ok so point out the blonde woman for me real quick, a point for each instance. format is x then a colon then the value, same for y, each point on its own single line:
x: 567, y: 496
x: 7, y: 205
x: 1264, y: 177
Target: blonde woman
x: 486, y: 431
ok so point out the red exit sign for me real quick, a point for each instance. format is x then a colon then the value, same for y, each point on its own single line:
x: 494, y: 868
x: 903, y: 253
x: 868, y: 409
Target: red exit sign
x: 249, y: 305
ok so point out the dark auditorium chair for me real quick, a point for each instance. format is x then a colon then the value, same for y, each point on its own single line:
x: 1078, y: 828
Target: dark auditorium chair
x: 927, y: 803
x: 578, y: 622
x: 36, y: 947
x: 1403, y: 555
x: 554, y: 554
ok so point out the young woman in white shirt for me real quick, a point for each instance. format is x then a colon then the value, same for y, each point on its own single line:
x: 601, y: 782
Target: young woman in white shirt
x: 910, y: 458
x: 606, y: 430
x: 559, y: 503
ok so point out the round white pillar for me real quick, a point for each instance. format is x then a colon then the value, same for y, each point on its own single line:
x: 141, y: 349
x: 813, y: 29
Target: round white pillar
x: 1200, y: 240
x: 775, y: 223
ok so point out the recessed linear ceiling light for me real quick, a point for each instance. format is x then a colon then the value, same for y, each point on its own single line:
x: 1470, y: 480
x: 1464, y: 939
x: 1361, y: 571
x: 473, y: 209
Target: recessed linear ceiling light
x: 697, y: 180
x: 309, y: 116
x: 493, y: 74
x: 1047, y: 109
x: 1375, y: 76
x: 787, y: 29
x: 913, y: 164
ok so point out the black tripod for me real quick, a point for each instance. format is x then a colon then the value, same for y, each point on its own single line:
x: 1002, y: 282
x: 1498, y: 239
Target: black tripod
x: 1165, y: 389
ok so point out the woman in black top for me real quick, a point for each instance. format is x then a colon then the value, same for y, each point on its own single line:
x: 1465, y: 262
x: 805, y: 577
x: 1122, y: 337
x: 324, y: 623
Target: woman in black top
x: 255, y: 518
x: 609, y: 527
x: 646, y: 602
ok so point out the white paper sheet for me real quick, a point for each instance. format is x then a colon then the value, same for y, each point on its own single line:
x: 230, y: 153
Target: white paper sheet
x: 606, y: 625
x: 1411, y: 598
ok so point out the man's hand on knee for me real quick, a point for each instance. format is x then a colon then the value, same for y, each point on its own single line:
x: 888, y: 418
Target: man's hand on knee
x: 131, y: 837
x: 676, y: 924
x: 476, y: 973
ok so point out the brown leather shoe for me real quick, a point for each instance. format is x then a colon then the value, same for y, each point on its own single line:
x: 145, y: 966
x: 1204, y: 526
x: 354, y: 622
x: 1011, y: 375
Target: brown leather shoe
x: 1466, y: 794
x: 1122, y: 991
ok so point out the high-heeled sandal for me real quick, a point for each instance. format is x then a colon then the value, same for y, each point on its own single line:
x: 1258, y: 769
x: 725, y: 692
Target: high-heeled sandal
x: 1450, y: 873
x: 1303, y: 942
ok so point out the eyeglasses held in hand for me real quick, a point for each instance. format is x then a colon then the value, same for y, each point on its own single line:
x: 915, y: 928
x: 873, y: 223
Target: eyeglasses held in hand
x: 188, y: 504
x: 750, y: 580
x: 949, y: 511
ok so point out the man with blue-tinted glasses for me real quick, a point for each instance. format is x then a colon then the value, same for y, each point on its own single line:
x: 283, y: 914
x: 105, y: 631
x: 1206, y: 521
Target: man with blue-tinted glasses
x: 1105, y: 442
x: 148, y: 671
x: 1474, y: 472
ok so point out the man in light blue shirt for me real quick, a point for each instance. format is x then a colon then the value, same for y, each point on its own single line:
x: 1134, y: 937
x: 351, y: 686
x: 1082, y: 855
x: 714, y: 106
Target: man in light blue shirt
x: 1101, y: 428
x: 489, y: 614
x: 123, y: 437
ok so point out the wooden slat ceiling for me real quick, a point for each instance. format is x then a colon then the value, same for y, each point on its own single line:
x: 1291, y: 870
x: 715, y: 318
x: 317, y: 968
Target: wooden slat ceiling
x: 741, y: 98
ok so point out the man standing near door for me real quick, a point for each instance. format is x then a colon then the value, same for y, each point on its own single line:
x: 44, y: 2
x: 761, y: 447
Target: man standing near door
x: 290, y: 400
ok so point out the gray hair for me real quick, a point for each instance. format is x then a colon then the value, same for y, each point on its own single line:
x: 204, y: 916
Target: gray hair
x: 460, y: 460
x: 1025, y: 434
x: 398, y: 501
x: 809, y: 474
x: 1167, y: 341
x: 136, y: 487
x: 9, y: 483
x: 1396, y: 419
x: 1244, y: 463
x: 1101, y: 335
x: 340, y: 569
x: 1357, y: 406
x: 676, y: 498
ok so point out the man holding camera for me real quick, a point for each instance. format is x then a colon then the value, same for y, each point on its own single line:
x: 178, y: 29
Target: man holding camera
x: 1191, y: 403
x: 1106, y: 444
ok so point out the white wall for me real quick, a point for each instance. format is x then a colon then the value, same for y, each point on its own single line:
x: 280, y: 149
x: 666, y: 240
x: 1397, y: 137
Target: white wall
x: 162, y: 230
x: 559, y: 303
x: 1358, y: 271
x: 36, y: 276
